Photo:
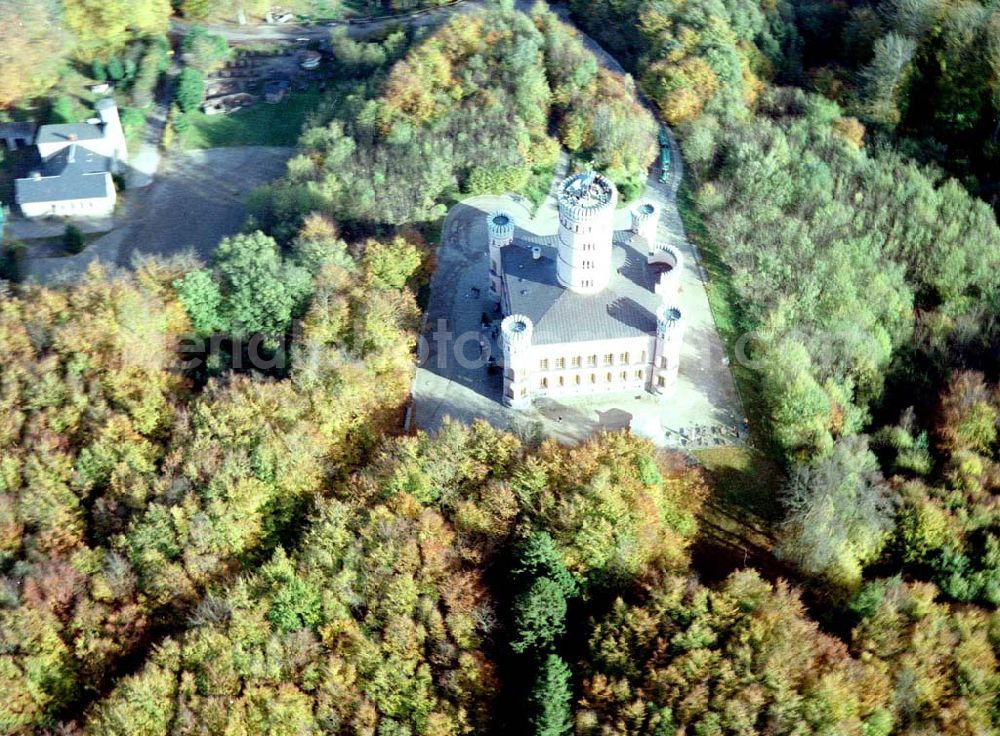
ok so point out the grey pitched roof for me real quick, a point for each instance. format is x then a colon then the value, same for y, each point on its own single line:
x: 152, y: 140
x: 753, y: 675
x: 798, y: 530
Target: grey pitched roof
x: 75, y: 161
x: 74, y: 172
x: 65, y: 132
x: 626, y: 308
x: 61, y: 188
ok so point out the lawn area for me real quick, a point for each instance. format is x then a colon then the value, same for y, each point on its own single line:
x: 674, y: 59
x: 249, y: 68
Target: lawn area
x: 260, y: 125
x: 743, y: 479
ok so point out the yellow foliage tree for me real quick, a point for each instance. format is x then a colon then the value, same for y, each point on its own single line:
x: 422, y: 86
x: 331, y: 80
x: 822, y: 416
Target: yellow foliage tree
x: 31, y: 49
x: 104, y: 27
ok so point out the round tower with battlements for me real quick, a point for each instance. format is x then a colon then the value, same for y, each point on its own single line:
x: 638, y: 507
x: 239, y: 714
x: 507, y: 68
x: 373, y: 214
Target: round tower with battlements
x: 645, y: 218
x: 515, y: 340
x: 107, y: 111
x: 586, y: 227
x: 500, y: 231
x: 667, y: 356
x: 667, y: 265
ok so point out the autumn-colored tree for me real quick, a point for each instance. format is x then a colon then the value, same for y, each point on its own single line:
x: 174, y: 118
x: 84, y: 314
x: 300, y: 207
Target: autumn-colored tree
x: 33, y: 45
x: 696, y: 660
x: 104, y: 27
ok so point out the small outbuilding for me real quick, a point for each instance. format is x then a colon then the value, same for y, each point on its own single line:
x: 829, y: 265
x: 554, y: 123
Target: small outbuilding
x: 17, y: 135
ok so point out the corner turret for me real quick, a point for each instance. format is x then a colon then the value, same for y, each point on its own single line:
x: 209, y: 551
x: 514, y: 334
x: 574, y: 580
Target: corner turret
x: 666, y: 359
x: 515, y: 340
x: 500, y: 230
x: 645, y: 219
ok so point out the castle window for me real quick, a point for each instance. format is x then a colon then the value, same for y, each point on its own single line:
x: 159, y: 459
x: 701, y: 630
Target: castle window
x: 510, y: 393
x: 545, y: 383
x: 544, y: 364
x: 624, y: 375
x: 562, y: 381
x: 607, y: 377
x: 663, y: 361
x: 576, y: 362
x: 510, y: 374
x: 624, y: 358
x: 661, y: 382
x: 593, y: 378
x: 643, y: 358
x: 524, y: 391
x: 578, y: 380
x: 591, y: 361
x: 638, y: 375
x: 560, y: 363
x: 609, y: 359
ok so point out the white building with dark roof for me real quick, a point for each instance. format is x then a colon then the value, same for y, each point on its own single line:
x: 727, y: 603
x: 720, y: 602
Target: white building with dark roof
x: 594, y: 313
x: 74, y: 178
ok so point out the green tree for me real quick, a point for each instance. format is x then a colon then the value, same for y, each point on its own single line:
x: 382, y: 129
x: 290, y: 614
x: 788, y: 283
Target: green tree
x: 388, y: 265
x: 539, y: 558
x: 262, y: 291
x: 190, y: 89
x: 839, y: 512
x: 116, y: 70
x: 205, y: 52
x: 203, y: 302
x: 73, y: 239
x: 539, y: 617
x: 63, y: 110
x: 551, y: 699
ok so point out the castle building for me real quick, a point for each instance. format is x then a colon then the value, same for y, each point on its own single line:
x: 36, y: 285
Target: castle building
x: 74, y: 178
x: 594, y: 313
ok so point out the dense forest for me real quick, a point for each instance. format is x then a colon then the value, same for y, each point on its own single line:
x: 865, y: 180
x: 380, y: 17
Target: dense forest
x: 210, y: 522
x: 860, y: 278
x: 483, y: 105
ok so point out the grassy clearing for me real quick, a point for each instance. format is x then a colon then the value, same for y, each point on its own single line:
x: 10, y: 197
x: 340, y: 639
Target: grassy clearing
x: 260, y: 125
x: 745, y: 479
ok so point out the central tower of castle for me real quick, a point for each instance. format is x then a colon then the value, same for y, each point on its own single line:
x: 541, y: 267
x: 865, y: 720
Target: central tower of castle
x: 586, y: 227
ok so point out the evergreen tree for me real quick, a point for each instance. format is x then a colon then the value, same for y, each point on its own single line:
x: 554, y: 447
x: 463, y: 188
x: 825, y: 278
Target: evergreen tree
x: 539, y: 558
x: 539, y: 617
x: 551, y: 699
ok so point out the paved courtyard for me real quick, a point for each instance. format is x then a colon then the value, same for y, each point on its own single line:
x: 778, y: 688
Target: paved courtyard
x: 452, y: 380
x: 197, y: 198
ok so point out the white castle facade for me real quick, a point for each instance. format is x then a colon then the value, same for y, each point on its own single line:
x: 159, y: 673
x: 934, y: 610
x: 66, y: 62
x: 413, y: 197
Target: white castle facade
x: 594, y: 313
